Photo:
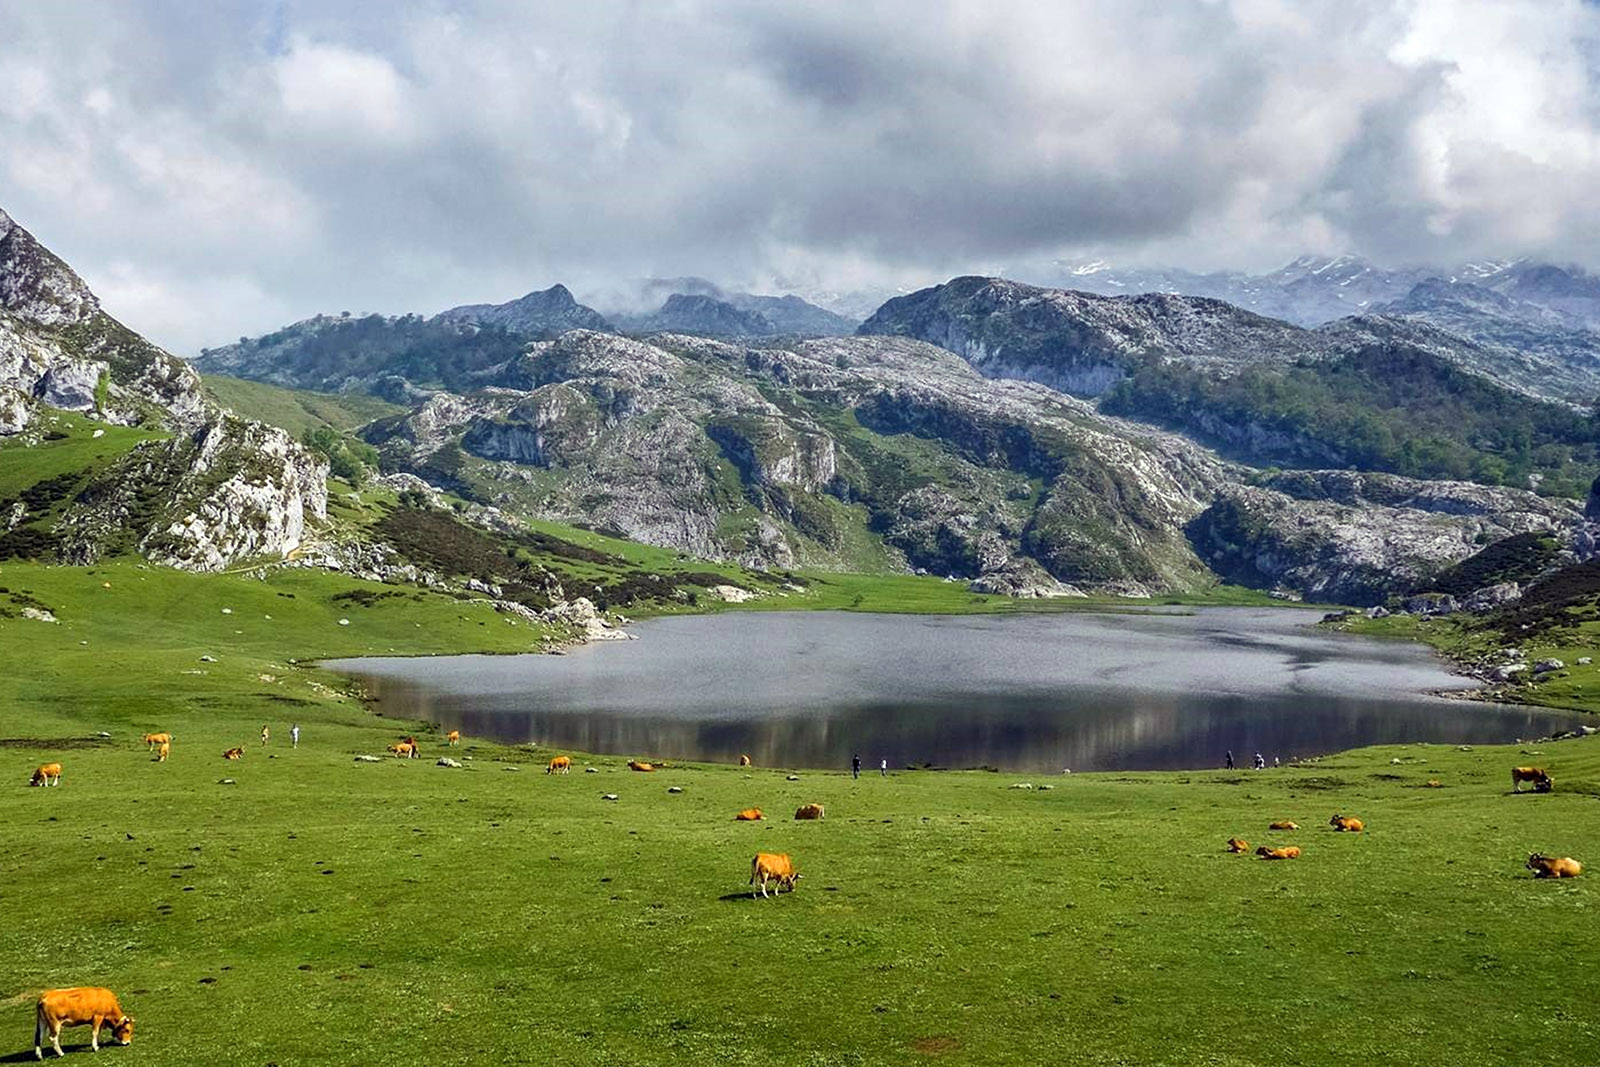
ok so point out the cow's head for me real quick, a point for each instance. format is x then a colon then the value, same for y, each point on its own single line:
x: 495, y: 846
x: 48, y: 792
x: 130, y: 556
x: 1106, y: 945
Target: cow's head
x: 1543, y: 784
x: 1536, y: 861
x: 122, y: 1030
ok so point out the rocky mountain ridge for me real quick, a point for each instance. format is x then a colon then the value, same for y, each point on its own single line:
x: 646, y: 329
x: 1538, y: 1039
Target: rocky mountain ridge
x: 216, y: 490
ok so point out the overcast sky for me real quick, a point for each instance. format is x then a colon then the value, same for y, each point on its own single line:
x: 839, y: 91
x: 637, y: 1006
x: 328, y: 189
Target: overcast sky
x: 221, y: 169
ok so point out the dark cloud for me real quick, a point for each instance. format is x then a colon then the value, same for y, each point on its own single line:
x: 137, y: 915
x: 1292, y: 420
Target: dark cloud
x: 219, y: 169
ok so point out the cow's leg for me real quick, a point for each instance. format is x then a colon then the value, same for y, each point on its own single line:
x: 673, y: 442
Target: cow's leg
x: 94, y: 1033
x: 55, y: 1038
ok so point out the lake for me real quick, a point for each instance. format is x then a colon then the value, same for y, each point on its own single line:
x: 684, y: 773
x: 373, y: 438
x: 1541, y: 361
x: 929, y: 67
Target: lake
x: 1045, y: 692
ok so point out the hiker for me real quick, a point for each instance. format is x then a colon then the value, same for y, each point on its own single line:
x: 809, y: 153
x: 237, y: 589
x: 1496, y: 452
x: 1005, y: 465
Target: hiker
x: 883, y: 768
x: 1229, y: 764
x: 855, y: 765
x: 294, y: 736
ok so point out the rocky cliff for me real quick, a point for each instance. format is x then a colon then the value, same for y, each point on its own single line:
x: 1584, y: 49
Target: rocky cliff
x: 217, y: 490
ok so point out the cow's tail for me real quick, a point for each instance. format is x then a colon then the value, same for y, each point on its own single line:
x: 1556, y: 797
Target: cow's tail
x: 38, y: 1028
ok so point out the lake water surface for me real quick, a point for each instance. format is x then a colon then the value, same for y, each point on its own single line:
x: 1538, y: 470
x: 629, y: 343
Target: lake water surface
x: 1019, y: 692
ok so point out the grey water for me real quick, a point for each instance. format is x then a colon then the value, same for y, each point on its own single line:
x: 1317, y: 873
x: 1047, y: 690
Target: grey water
x: 1033, y: 692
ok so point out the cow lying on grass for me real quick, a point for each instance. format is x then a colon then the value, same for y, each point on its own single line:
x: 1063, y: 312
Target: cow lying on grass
x: 1541, y: 781
x: 638, y: 765
x: 1347, y: 824
x: 1544, y: 866
x: 80, y: 1006
x: 1292, y: 852
x: 1283, y: 824
x: 1238, y: 844
x: 808, y: 811
x: 233, y: 753
x: 749, y: 815
x: 46, y: 774
x: 772, y: 867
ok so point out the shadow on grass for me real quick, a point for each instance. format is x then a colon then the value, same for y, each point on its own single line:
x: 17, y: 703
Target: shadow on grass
x: 731, y: 898
x: 49, y: 1053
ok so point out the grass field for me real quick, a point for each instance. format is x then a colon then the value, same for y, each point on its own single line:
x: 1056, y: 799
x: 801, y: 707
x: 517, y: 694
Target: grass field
x: 321, y: 910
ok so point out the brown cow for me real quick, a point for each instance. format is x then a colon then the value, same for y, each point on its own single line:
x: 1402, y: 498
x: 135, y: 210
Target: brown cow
x: 637, y: 765
x: 80, y: 1006
x: 152, y: 740
x: 46, y: 774
x: 163, y: 751
x: 749, y: 815
x: 233, y: 753
x: 559, y: 765
x: 404, y: 749
x: 1290, y: 853
x: 772, y: 867
x: 744, y: 761
x: 1541, y: 781
x: 1283, y: 824
x: 1347, y: 823
x: 809, y: 811
x: 1238, y: 844
x: 1544, y: 866
x: 453, y: 738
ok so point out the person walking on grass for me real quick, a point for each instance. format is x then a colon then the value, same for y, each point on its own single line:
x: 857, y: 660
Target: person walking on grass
x: 883, y: 768
x: 855, y: 765
x: 1230, y: 759
x: 294, y: 736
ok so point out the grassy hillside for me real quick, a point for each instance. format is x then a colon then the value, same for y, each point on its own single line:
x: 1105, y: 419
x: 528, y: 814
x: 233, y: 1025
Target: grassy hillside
x: 1384, y: 408
x: 296, y: 410
x: 321, y: 910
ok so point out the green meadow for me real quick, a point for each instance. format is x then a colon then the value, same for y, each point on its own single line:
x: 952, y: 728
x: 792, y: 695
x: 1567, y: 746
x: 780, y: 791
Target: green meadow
x: 318, y: 909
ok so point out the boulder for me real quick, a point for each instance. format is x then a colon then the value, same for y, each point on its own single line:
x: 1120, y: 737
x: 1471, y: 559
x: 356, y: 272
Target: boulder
x: 1492, y: 596
x: 446, y: 761
x: 1545, y: 666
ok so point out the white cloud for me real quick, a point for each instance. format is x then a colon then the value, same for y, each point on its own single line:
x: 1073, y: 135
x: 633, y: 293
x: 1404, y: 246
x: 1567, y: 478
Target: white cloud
x: 242, y: 165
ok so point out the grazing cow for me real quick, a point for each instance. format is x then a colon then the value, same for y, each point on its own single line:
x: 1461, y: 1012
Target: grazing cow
x: 744, y: 761
x: 749, y: 815
x: 80, y: 1006
x: 152, y: 740
x: 559, y: 765
x: 233, y: 753
x: 416, y: 746
x: 808, y: 811
x: 453, y: 738
x: 772, y: 867
x: 1544, y: 866
x: 1347, y: 823
x: 1541, y: 781
x: 1283, y: 824
x: 163, y: 751
x: 1290, y: 853
x: 636, y: 765
x: 1238, y: 844
x: 46, y: 774
x: 405, y: 749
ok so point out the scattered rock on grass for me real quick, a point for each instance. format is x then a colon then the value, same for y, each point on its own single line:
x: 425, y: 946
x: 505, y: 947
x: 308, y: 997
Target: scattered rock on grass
x: 368, y: 759
x: 446, y: 761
